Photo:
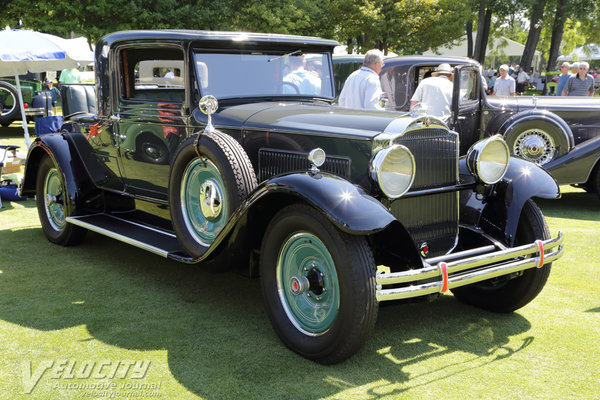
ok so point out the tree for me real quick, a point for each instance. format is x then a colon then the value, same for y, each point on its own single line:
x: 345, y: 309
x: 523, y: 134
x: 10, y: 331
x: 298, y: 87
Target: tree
x: 535, y: 29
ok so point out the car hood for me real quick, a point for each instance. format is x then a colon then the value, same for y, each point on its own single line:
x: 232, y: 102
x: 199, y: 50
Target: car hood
x: 550, y: 103
x: 310, y: 118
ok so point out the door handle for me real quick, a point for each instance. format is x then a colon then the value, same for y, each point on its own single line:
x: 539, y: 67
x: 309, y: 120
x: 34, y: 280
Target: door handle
x: 115, y: 118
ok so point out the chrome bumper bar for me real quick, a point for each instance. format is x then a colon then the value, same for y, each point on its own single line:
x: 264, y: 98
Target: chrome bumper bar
x: 467, y: 269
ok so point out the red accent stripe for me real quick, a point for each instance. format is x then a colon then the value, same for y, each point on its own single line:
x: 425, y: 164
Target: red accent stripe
x: 444, y: 269
x: 541, y: 247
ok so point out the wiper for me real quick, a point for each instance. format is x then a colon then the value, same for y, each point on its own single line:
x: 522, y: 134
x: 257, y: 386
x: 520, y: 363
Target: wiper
x: 285, y: 55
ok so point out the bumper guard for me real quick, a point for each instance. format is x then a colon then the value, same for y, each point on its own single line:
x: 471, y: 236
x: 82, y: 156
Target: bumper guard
x: 467, y: 267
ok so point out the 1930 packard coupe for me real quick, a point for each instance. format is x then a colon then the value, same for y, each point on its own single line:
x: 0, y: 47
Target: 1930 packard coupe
x: 335, y: 209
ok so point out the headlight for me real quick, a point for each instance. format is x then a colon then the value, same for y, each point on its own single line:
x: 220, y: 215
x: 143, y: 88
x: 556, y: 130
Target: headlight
x: 488, y: 159
x: 393, y: 169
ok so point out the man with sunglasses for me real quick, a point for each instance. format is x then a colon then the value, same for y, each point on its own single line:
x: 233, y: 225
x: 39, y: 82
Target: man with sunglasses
x: 581, y: 84
x: 563, y: 78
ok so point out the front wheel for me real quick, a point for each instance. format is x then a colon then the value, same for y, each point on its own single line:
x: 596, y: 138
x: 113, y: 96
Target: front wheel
x: 51, y: 199
x: 505, y: 294
x: 318, y: 285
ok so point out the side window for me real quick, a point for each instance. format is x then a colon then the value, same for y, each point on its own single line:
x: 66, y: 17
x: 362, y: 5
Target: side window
x: 152, y: 74
x: 469, y: 85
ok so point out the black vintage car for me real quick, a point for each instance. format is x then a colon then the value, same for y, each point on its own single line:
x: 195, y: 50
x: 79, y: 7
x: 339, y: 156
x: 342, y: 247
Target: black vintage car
x: 335, y: 209
x: 562, y: 134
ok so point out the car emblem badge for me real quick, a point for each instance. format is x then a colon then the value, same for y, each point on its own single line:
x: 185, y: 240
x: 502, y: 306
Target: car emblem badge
x: 424, y: 249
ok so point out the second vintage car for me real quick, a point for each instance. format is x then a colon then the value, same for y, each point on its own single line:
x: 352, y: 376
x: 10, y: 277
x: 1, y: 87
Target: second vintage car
x: 336, y: 210
x: 561, y: 134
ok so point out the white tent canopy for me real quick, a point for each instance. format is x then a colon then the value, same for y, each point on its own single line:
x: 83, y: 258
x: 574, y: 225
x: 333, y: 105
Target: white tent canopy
x: 497, y: 47
x: 584, y: 53
x: 23, y: 51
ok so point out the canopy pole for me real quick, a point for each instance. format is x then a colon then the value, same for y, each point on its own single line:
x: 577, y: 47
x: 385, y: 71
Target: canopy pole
x: 23, y: 116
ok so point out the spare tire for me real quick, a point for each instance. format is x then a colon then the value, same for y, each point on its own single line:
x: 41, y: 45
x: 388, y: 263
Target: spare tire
x: 537, y: 141
x: 9, y: 103
x: 205, y: 192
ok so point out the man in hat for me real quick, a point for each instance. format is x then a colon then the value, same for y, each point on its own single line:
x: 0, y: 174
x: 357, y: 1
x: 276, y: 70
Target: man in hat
x: 505, y: 84
x: 434, y: 94
x: 362, y: 89
x: 54, y: 93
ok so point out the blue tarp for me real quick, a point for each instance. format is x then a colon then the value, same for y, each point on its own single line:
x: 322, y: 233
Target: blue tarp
x: 46, y: 125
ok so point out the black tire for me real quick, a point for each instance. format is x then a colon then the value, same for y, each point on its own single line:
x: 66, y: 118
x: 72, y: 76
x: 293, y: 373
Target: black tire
x: 52, y: 211
x: 8, y: 93
x: 507, y: 295
x: 343, y: 330
x: 593, y: 184
x: 151, y: 149
x: 537, y: 141
x: 234, y: 178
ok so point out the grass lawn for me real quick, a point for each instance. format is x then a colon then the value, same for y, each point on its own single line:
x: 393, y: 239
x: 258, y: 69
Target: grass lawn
x: 106, y: 319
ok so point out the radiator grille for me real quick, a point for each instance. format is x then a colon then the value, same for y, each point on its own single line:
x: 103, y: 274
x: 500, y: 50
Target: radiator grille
x: 274, y: 162
x: 431, y: 218
x: 436, y: 157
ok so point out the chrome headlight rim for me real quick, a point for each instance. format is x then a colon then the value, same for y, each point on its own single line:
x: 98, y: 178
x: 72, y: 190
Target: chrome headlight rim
x: 477, y: 151
x: 376, y: 169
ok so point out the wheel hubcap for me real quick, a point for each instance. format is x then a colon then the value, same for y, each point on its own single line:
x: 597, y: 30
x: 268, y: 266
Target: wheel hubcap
x: 308, y: 284
x: 534, y: 145
x: 203, y: 203
x: 211, y: 199
x: 53, y: 200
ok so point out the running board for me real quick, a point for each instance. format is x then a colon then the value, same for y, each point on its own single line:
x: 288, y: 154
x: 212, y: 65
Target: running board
x: 152, y: 239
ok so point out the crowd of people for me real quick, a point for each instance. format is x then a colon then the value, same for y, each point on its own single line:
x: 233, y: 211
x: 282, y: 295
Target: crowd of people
x: 585, y: 79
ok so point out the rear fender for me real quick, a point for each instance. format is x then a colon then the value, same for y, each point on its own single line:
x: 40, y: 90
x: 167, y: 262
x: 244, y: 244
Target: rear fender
x: 64, y: 155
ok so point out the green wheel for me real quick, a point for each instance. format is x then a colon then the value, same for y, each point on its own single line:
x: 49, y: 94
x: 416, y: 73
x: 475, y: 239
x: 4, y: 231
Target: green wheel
x: 53, y: 208
x: 318, y: 285
x: 307, y: 283
x: 205, y: 207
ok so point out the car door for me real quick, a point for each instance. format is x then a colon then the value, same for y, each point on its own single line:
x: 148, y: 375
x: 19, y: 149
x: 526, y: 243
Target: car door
x: 466, y: 105
x: 151, y: 119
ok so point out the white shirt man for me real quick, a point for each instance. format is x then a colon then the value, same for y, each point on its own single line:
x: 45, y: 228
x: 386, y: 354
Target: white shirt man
x: 505, y: 84
x: 301, y: 81
x: 434, y: 94
x: 362, y: 89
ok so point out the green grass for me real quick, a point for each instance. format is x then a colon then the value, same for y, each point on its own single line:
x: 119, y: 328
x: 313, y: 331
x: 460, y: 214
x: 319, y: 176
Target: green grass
x: 207, y: 336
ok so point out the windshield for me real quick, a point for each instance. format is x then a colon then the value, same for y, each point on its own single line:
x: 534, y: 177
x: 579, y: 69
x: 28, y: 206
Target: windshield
x: 260, y: 74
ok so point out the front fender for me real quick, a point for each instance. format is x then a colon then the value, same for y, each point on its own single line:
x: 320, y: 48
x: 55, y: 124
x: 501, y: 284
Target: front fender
x: 345, y: 204
x: 499, y: 213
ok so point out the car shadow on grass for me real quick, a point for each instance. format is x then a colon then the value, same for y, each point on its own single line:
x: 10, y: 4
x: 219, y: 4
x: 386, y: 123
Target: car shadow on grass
x: 213, y: 326
x: 572, y: 205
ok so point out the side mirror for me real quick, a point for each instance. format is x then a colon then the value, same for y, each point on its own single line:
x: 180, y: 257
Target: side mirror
x: 208, y: 105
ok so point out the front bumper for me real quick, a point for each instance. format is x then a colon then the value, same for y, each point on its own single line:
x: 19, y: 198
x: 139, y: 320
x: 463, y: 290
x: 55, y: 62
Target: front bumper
x: 467, y: 267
